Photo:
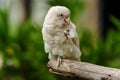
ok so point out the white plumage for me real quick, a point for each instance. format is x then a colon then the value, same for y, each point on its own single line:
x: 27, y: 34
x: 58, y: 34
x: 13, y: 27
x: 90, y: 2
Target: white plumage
x: 59, y: 34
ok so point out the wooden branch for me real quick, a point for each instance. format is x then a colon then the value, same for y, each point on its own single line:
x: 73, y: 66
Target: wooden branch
x: 84, y: 70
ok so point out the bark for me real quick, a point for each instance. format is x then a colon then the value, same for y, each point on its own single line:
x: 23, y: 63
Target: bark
x: 83, y: 70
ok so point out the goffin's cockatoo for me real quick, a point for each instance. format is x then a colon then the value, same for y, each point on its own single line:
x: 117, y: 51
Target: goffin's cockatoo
x: 59, y: 34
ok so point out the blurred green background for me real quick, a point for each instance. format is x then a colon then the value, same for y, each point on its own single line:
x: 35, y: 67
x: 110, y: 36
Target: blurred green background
x: 22, y: 55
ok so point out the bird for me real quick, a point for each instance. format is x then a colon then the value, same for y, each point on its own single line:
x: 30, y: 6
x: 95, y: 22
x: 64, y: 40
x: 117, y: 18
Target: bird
x: 59, y: 35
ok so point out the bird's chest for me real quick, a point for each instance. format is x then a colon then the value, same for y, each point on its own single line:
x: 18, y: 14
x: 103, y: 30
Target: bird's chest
x: 56, y: 35
x: 59, y: 39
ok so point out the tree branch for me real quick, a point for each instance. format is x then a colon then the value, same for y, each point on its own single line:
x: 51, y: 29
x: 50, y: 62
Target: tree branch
x: 84, y: 70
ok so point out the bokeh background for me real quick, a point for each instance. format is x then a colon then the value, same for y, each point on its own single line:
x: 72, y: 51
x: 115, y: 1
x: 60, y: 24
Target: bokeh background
x: 22, y: 55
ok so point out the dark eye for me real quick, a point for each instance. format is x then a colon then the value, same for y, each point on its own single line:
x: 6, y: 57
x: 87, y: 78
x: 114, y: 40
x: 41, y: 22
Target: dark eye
x: 61, y: 16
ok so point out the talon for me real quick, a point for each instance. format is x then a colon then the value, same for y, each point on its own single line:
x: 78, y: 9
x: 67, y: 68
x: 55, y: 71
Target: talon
x: 66, y: 33
x: 58, y: 61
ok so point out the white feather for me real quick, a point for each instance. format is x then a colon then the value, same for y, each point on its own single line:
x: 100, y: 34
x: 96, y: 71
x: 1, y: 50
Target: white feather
x: 55, y: 41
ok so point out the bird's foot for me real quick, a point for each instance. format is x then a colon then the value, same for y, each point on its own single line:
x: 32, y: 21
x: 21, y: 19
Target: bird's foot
x: 64, y: 66
x: 58, y: 61
x: 66, y: 33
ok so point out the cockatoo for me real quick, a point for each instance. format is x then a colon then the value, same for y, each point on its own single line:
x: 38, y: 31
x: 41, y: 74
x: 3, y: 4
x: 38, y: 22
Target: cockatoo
x: 59, y: 34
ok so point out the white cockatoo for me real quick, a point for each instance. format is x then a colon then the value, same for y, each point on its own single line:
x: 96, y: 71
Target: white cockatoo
x: 60, y: 36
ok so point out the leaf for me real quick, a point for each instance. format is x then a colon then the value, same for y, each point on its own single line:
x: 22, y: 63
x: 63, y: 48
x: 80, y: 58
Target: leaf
x: 115, y: 21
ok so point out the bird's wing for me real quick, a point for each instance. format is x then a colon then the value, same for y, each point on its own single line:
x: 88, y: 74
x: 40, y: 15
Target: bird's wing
x: 46, y: 47
x: 45, y: 39
x: 74, y: 35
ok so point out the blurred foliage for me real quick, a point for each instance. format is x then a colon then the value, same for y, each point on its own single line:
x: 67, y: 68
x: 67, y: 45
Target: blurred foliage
x: 24, y: 57
x: 104, y: 52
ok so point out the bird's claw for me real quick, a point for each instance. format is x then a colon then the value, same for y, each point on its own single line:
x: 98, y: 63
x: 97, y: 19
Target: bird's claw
x: 66, y: 33
x: 58, y: 61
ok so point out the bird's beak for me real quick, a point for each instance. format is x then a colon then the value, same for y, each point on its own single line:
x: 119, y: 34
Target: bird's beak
x: 66, y: 20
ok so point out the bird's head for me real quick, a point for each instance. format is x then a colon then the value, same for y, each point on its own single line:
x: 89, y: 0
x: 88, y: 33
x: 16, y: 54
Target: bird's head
x: 58, y: 15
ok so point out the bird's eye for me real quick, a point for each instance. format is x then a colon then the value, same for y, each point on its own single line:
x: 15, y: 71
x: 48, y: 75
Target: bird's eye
x: 61, y: 16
